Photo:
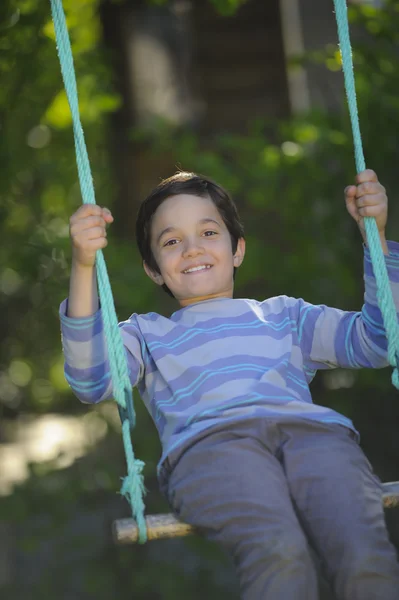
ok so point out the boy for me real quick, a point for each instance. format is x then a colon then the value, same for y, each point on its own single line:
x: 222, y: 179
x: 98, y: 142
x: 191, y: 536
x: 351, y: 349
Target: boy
x: 247, y: 457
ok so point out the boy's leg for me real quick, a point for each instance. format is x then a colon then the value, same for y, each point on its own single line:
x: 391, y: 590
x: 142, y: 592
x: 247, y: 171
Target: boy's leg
x: 339, y: 501
x: 234, y: 490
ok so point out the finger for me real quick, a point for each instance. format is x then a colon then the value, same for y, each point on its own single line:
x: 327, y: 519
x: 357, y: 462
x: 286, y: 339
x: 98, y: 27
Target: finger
x: 370, y: 211
x: 95, y: 232
x: 87, y: 223
x: 352, y: 208
x: 350, y: 192
x: 108, y: 218
x: 366, y: 175
x: 86, y: 210
x: 107, y: 215
x: 97, y: 244
x: 372, y: 200
x: 81, y: 239
x: 369, y: 187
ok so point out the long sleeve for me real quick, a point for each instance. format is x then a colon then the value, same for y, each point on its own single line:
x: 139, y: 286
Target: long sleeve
x: 331, y: 337
x: 86, y: 358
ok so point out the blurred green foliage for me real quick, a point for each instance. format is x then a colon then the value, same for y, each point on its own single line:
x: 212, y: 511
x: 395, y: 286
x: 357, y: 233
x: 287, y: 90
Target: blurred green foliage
x: 39, y: 189
x: 288, y: 180
x: 224, y: 7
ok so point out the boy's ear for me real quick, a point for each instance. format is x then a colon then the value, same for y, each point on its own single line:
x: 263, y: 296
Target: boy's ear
x: 240, y: 252
x: 153, y: 275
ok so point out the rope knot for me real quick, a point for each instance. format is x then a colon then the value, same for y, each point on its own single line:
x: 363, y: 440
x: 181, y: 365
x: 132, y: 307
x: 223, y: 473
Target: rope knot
x: 133, y: 491
x: 395, y: 378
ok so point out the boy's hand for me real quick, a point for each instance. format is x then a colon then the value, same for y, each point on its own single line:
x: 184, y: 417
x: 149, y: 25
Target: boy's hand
x: 367, y: 199
x: 87, y: 228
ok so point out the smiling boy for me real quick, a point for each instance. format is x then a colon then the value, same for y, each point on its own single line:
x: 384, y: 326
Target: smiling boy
x: 196, y: 271
x: 246, y: 456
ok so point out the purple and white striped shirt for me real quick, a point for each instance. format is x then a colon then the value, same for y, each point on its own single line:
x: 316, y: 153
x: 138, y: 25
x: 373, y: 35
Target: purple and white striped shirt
x: 223, y: 360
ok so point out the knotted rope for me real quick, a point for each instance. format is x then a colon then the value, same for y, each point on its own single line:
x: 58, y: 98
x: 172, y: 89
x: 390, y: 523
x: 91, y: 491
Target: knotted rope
x: 133, y: 484
x: 384, y: 292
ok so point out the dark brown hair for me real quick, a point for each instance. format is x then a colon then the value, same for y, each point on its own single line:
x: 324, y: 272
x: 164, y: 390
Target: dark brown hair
x: 185, y: 183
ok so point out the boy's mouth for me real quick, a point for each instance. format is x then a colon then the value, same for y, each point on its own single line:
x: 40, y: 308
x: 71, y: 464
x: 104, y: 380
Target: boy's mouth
x: 197, y: 269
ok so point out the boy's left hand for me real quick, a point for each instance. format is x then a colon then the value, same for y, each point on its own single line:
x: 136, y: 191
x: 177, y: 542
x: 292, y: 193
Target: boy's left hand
x: 367, y: 199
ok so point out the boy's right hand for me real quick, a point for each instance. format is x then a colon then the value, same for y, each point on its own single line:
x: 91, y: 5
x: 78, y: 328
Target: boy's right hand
x: 87, y: 228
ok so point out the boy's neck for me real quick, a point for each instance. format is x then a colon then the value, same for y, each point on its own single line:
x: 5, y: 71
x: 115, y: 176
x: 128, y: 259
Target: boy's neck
x: 198, y: 299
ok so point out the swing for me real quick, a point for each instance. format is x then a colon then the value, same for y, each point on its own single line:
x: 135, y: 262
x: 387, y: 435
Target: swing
x: 140, y: 529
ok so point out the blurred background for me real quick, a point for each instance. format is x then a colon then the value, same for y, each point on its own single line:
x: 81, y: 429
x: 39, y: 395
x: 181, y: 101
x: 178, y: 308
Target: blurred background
x: 247, y: 92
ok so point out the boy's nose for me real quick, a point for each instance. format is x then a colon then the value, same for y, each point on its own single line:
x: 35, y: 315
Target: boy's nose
x: 192, y: 248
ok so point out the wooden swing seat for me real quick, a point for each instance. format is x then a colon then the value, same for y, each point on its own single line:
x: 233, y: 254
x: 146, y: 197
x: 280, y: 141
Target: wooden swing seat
x: 125, y: 531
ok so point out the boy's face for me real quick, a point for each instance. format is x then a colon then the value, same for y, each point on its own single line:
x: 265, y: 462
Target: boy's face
x: 188, y: 232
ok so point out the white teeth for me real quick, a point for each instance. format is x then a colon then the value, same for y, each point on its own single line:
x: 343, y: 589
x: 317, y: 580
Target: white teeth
x: 200, y: 268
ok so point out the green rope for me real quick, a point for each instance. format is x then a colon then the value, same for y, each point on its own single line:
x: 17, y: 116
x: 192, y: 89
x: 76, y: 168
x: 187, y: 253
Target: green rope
x: 384, y: 292
x: 133, y: 484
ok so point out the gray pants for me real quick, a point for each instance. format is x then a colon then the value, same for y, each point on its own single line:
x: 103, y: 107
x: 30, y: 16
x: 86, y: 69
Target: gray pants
x: 266, y: 490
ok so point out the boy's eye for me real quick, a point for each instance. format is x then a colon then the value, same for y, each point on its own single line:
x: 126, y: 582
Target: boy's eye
x: 207, y: 233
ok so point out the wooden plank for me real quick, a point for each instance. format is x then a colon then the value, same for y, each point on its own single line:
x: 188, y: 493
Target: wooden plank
x: 125, y: 531
x: 390, y: 494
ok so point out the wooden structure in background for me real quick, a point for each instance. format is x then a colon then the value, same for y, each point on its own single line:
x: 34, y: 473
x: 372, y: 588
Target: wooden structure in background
x: 215, y: 73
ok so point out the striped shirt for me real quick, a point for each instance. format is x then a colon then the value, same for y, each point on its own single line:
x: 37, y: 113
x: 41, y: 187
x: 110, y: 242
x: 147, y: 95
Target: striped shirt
x: 222, y: 360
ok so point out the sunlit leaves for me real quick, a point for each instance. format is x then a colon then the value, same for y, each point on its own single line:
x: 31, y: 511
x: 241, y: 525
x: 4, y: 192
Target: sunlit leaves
x: 58, y: 113
x: 92, y: 105
x: 78, y: 15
